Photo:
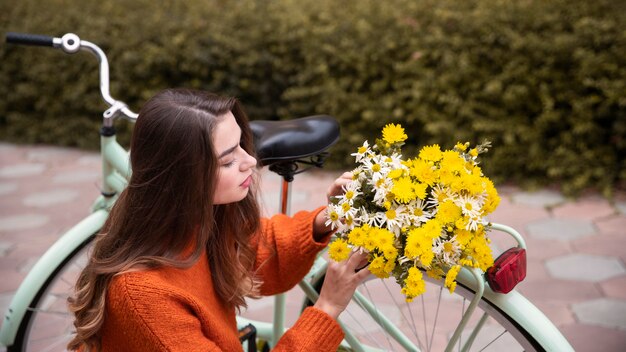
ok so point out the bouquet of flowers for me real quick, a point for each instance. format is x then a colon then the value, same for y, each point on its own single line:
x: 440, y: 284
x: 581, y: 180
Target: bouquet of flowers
x: 420, y: 214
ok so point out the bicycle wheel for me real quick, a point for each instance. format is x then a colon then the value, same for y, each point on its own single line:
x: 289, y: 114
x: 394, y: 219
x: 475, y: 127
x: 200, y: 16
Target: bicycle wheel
x: 47, y: 324
x: 431, y: 319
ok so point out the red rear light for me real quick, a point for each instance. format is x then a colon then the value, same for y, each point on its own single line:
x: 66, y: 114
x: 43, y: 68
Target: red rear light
x: 508, y: 270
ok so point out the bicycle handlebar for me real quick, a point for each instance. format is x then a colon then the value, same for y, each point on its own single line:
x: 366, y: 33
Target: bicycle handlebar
x: 70, y: 43
x: 30, y: 39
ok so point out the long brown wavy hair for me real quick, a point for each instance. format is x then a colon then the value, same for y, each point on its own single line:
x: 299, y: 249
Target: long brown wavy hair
x: 167, y: 209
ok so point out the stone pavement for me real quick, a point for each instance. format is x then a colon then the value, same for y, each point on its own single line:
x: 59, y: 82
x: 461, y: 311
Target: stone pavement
x: 576, y: 248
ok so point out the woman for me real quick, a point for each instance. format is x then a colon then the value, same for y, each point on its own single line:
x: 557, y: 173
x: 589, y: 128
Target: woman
x: 185, y: 245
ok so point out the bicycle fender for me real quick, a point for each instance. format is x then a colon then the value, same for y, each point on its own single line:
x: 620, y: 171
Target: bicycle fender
x: 526, y: 314
x: 42, y: 270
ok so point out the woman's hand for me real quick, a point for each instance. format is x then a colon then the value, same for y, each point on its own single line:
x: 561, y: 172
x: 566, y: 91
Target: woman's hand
x: 340, y: 283
x: 320, y: 230
x: 336, y: 188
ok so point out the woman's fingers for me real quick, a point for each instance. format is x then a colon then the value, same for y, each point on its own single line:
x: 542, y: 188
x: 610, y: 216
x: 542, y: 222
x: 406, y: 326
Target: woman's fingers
x: 357, y: 260
x: 336, y: 187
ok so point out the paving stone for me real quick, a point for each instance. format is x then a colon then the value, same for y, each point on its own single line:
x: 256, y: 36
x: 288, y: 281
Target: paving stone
x: 613, y: 225
x: 517, y: 216
x: 608, y: 312
x: 615, y: 287
x: 6, y: 147
x: 91, y: 159
x: 7, y: 188
x: 588, y: 338
x: 561, y: 291
x: 57, y: 196
x: 72, y: 177
x: 5, y: 248
x: 558, y: 313
x: 22, y: 222
x: 11, y: 280
x: 540, y: 250
x: 544, y: 198
x: 22, y: 170
x: 589, y: 209
x: 585, y: 267
x: 559, y: 229
x: 47, y: 154
x: 621, y: 207
x: 609, y: 244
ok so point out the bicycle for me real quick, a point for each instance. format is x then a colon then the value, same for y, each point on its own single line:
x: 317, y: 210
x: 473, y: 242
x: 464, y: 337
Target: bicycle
x: 377, y: 319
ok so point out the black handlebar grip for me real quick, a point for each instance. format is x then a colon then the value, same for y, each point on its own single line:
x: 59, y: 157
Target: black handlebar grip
x: 29, y: 39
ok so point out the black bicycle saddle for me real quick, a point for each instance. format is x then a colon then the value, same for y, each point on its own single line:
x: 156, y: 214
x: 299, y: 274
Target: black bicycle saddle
x: 293, y: 140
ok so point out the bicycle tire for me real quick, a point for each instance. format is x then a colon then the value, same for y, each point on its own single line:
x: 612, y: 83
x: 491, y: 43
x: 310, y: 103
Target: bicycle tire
x: 355, y: 319
x: 47, y: 324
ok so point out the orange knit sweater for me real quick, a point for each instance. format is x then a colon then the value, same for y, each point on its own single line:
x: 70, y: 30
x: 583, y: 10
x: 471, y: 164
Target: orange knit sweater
x: 169, y: 309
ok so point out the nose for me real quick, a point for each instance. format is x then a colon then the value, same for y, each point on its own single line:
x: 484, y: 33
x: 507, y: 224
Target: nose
x: 248, y: 162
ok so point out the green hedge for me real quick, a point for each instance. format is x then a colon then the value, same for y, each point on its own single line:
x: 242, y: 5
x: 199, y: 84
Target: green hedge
x: 543, y: 80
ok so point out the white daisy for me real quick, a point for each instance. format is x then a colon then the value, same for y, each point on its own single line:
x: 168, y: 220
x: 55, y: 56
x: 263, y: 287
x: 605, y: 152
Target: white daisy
x: 393, y: 219
x: 439, y: 194
x: 362, y: 152
x: 470, y: 206
x: 351, y: 191
x: 381, y: 187
x: 417, y: 213
x: 334, y: 215
x: 448, y: 251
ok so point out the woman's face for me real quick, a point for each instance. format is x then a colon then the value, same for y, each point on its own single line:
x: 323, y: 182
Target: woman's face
x: 235, y: 165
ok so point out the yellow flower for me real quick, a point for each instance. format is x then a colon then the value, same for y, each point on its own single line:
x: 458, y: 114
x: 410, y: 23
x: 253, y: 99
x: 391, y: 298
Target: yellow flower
x: 356, y: 237
x: 452, y: 160
x: 479, y: 250
x: 414, y: 284
x: 394, y: 174
x: 463, y: 236
x: 419, y: 244
x: 403, y: 190
x: 423, y: 171
x: 450, y: 282
x: 390, y: 252
x: 383, y: 237
x: 431, y: 153
x: 420, y: 190
x: 461, y: 146
x: 432, y: 228
x: 377, y: 267
x: 339, y: 250
x: 448, y: 212
x: 394, y: 133
x: 492, y: 198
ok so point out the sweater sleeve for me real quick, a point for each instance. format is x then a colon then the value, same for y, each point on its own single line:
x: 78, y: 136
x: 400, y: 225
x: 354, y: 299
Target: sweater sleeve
x: 314, y: 331
x: 286, y: 250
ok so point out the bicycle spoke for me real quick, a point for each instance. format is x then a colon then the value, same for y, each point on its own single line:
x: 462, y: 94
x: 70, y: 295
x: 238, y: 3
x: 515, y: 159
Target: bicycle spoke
x: 379, y: 321
x: 475, y: 331
x: 432, y: 336
x: 44, y: 311
x: 492, y: 341
x: 428, y: 343
x: 363, y: 329
x: 413, y: 328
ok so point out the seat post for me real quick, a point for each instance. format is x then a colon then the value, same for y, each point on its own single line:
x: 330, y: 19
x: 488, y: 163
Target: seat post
x: 280, y: 300
x: 285, y: 197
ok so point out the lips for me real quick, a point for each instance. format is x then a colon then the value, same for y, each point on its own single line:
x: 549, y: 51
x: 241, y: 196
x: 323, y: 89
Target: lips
x: 247, y: 182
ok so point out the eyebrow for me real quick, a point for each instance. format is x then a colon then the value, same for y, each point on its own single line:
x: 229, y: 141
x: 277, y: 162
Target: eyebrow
x: 227, y: 151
